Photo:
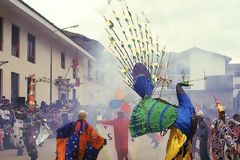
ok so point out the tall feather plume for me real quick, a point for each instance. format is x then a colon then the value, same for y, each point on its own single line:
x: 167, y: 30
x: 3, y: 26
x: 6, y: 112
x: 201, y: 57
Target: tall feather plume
x: 134, y: 46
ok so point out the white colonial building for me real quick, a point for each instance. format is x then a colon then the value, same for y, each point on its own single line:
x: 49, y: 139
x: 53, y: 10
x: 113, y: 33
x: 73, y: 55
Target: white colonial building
x: 33, y: 46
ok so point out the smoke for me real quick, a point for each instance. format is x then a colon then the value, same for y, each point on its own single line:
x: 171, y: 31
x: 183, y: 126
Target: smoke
x: 109, y: 79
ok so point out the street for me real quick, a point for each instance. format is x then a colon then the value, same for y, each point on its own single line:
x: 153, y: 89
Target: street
x: 142, y: 150
x: 47, y: 152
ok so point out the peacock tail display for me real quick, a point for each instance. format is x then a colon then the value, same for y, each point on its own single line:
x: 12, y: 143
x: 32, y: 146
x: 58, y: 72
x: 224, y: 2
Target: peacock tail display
x: 144, y: 69
x: 137, y: 51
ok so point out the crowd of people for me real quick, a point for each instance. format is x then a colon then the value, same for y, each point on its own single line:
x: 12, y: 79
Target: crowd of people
x: 55, y: 114
x: 219, y: 137
x: 6, y: 124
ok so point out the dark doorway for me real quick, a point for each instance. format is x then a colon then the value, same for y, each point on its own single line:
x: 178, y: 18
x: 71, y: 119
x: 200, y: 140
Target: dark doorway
x: 14, y: 87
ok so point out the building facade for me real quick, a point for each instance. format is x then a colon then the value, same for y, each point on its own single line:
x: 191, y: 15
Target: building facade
x: 35, y: 47
x: 211, y: 74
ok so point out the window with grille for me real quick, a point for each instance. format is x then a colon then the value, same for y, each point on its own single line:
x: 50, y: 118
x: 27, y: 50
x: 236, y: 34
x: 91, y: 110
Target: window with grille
x: 63, y: 60
x: 31, y: 48
x: 15, y: 40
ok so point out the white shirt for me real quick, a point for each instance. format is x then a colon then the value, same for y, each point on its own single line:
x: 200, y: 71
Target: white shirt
x: 6, y: 114
x: 1, y: 113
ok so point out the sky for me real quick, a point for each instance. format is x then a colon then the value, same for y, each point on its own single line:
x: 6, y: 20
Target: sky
x: 212, y: 25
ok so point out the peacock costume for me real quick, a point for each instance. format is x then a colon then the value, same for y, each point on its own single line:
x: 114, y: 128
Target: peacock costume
x: 142, y: 66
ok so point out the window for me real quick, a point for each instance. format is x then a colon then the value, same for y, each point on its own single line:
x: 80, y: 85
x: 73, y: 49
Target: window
x: 15, y: 40
x: 14, y: 87
x: 1, y: 33
x: 63, y: 60
x: 31, y: 48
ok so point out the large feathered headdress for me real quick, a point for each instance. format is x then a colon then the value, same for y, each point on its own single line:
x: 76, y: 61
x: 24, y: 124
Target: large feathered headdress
x: 138, y: 52
x: 218, y: 105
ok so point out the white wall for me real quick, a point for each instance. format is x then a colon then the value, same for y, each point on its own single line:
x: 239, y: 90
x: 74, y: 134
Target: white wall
x: 41, y: 68
x: 201, y: 62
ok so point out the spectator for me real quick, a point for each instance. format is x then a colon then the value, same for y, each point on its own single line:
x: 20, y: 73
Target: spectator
x: 203, y: 135
x: 1, y: 138
x: 209, y: 128
x: 1, y: 117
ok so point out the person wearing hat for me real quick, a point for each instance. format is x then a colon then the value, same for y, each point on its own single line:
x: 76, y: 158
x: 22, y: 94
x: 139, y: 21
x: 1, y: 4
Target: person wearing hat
x: 221, y: 135
x: 78, y: 140
x: 120, y: 126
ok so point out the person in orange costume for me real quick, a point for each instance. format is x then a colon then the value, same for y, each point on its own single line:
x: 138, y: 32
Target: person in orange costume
x: 78, y: 140
x: 120, y: 125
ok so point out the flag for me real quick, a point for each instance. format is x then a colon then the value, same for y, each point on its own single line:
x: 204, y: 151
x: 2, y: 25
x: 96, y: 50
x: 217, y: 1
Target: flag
x: 77, y: 83
x: 75, y: 64
x: 76, y: 71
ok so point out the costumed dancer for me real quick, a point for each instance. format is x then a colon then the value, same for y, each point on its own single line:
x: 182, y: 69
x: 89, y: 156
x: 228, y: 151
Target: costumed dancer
x: 184, y: 128
x: 221, y: 134
x: 78, y: 140
x: 142, y: 65
x: 120, y: 126
x: 234, y: 131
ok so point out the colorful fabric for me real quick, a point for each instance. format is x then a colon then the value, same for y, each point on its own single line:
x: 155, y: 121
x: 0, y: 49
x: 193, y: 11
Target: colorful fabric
x: 175, y: 142
x: 220, y: 138
x: 140, y: 69
x: 151, y: 116
x: 185, y: 112
x: 143, y: 86
x: 78, y: 141
x: 234, y: 132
